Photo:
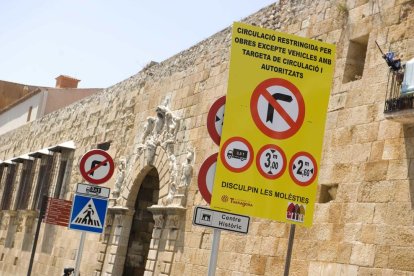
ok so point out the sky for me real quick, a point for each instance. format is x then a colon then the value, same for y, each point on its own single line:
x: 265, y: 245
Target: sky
x: 102, y: 42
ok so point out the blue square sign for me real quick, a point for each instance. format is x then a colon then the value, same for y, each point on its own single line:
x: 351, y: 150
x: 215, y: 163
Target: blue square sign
x: 88, y: 213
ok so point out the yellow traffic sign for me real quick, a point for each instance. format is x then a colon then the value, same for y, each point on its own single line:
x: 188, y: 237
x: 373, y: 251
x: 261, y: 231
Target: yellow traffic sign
x: 271, y: 141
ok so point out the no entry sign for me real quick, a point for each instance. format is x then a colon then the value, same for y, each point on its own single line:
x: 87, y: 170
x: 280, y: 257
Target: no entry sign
x: 215, y: 119
x: 96, y: 166
x: 206, y: 177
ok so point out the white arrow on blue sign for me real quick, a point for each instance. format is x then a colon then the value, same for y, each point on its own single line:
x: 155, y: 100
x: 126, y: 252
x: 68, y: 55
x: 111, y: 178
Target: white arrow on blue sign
x: 88, y: 213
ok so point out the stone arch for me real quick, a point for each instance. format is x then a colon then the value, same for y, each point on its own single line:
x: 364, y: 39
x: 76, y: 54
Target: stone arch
x: 123, y: 210
x: 155, y: 150
x: 138, y: 172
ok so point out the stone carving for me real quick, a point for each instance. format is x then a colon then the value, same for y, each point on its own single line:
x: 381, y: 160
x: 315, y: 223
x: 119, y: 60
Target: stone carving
x: 19, y: 223
x: 173, y: 221
x: 177, y: 193
x: 161, y: 131
x: 4, y: 222
x: 187, y: 169
x: 150, y: 153
x: 159, y: 221
x: 148, y: 128
x: 160, y: 121
x: 120, y: 177
x: 109, y: 220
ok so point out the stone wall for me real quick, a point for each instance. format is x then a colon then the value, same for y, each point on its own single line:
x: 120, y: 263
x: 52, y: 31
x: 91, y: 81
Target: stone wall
x: 364, y: 225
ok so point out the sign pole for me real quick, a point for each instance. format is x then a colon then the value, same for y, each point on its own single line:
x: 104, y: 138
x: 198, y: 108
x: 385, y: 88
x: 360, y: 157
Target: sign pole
x: 36, y: 237
x: 214, y: 252
x: 290, y: 248
x: 80, y: 251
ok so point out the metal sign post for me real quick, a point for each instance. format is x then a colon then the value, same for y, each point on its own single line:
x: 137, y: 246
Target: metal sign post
x: 219, y: 220
x: 80, y: 251
x: 88, y: 213
x: 36, y: 237
x: 214, y: 252
x: 289, y: 249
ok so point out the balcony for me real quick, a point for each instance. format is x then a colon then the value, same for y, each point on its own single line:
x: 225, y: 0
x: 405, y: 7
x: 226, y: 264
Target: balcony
x: 399, y: 101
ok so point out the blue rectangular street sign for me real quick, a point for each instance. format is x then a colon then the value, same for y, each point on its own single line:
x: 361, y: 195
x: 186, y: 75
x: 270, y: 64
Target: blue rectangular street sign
x: 88, y: 213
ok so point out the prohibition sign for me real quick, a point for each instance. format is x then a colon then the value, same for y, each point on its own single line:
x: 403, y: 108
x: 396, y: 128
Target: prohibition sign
x: 237, y: 154
x: 206, y: 177
x: 96, y: 166
x: 303, y: 168
x: 271, y: 161
x: 277, y: 108
x: 215, y: 119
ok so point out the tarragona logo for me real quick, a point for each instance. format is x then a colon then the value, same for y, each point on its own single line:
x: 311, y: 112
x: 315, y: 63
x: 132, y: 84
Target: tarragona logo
x: 295, y: 212
x: 224, y: 198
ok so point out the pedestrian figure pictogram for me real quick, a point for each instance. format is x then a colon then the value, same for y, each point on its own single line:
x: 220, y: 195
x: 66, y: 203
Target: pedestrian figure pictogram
x: 88, y: 216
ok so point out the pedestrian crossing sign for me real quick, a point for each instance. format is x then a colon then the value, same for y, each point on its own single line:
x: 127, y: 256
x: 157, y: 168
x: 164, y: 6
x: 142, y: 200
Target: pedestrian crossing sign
x: 88, y: 213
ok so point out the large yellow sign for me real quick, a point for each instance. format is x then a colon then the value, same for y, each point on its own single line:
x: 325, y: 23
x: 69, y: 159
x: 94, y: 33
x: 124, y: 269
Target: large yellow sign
x: 275, y: 112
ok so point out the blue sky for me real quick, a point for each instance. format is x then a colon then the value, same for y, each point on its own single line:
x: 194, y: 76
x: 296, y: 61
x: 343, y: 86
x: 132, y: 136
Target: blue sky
x: 103, y: 42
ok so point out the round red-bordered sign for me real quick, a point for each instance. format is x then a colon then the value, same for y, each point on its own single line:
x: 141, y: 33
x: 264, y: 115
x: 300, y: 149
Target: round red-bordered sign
x: 277, y: 108
x: 237, y: 154
x: 271, y: 161
x: 215, y: 119
x: 206, y: 177
x: 96, y: 166
x: 303, y: 168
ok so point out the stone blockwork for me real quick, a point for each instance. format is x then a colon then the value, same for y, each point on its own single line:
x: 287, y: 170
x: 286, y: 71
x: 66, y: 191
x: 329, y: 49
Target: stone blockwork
x: 364, y: 226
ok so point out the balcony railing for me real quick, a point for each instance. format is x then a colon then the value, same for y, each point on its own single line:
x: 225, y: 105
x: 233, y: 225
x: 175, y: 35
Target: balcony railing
x: 398, y: 106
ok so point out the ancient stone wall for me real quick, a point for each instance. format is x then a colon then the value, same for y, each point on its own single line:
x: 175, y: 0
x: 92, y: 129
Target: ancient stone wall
x: 364, y: 222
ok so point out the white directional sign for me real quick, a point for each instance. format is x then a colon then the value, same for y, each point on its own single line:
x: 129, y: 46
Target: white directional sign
x: 221, y: 220
x: 88, y: 213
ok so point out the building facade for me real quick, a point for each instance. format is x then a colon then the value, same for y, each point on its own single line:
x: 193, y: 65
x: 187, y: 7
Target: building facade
x: 39, y: 101
x: 154, y: 125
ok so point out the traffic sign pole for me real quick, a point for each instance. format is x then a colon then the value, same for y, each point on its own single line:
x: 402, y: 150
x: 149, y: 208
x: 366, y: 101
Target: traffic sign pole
x: 214, y: 252
x: 289, y: 249
x: 80, y: 251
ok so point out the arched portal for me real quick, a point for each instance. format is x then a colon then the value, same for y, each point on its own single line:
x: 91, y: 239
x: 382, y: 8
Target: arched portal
x: 142, y: 225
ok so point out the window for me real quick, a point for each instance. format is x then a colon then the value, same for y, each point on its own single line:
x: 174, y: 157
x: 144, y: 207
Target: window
x: 104, y: 145
x: 29, y: 113
x: 25, y: 185
x: 62, y: 167
x: 327, y: 193
x: 43, y: 180
x: 8, y: 187
x: 355, y: 59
